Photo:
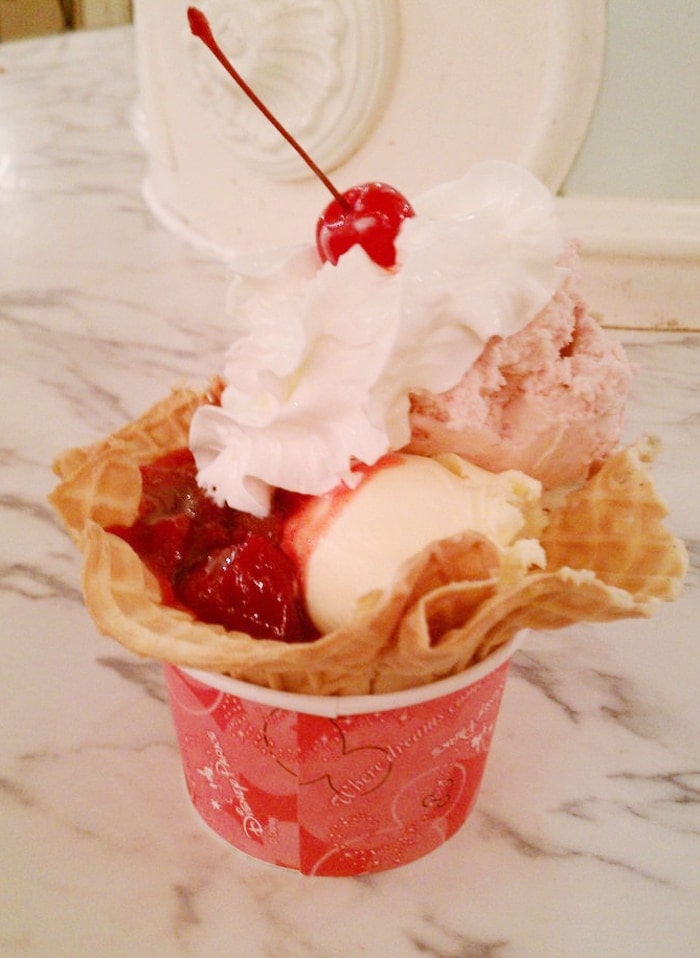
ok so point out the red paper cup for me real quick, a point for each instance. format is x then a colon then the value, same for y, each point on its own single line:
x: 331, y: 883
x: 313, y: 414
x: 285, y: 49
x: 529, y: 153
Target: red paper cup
x: 333, y: 785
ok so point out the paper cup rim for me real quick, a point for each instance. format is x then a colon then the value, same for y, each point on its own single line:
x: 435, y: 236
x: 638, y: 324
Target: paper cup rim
x: 332, y: 706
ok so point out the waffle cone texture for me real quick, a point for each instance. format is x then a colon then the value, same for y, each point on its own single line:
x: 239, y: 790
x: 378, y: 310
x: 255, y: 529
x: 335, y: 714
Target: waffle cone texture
x: 609, y: 557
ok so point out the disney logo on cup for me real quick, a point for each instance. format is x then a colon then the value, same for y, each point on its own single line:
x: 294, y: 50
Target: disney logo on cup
x: 252, y: 826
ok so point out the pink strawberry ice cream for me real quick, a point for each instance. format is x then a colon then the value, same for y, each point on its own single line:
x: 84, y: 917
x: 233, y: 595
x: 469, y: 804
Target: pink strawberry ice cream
x: 547, y: 400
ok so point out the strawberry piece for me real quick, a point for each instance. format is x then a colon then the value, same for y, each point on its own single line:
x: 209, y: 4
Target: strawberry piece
x: 161, y: 545
x: 222, y: 565
x: 246, y: 587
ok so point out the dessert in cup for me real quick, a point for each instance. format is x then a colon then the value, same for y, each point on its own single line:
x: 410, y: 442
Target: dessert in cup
x: 410, y: 457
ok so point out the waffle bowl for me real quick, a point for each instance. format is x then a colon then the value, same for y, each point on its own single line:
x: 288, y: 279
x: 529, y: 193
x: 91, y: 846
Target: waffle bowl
x: 608, y: 557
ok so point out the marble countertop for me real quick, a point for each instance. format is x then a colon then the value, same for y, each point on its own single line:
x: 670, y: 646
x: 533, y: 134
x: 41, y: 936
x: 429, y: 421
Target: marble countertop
x: 586, y: 837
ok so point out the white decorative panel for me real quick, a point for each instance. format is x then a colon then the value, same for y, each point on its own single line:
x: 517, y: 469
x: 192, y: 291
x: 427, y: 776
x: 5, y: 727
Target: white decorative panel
x: 323, y: 67
x: 410, y: 92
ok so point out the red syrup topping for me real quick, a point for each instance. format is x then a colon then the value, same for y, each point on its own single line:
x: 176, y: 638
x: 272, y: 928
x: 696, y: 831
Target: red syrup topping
x: 222, y: 565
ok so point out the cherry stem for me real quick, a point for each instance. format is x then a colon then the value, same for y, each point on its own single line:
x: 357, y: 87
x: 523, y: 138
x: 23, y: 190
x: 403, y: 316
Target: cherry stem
x: 199, y: 25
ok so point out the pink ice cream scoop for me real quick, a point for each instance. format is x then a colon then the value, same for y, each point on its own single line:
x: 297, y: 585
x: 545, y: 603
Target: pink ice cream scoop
x: 548, y: 400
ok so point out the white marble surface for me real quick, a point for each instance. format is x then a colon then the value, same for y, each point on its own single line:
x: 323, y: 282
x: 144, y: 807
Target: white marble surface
x: 586, y: 839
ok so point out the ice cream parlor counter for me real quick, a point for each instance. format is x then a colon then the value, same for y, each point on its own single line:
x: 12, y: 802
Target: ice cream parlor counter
x: 585, y: 840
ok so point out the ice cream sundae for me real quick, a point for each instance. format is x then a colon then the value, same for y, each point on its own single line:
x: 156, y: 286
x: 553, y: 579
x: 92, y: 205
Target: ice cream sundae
x: 410, y: 454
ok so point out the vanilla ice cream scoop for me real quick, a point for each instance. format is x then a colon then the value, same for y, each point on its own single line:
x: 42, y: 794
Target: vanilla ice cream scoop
x: 351, y: 542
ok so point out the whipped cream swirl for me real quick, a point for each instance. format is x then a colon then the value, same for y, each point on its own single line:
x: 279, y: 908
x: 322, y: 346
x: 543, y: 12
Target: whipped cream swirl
x: 325, y: 357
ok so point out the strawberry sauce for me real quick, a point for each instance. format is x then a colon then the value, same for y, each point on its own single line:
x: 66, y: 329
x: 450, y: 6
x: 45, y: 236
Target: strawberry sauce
x: 221, y: 565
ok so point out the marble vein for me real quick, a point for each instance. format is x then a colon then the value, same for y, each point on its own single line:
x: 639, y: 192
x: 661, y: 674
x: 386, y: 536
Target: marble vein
x: 532, y: 847
x: 438, y: 941
x: 144, y: 675
x: 31, y: 583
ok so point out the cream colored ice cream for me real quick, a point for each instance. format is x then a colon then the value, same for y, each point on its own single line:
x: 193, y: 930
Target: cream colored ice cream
x: 349, y: 544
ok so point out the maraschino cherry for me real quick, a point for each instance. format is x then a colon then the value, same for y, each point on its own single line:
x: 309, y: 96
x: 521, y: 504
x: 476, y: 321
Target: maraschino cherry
x: 369, y: 215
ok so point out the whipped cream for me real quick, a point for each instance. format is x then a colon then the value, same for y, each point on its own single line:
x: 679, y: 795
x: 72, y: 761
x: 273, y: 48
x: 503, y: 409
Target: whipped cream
x: 326, y: 356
